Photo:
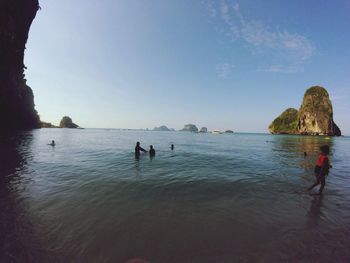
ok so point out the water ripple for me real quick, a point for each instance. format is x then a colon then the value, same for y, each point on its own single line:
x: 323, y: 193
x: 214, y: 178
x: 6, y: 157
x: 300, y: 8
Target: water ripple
x: 229, y: 198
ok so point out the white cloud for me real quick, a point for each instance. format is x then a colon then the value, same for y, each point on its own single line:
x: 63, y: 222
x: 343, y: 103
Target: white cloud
x: 235, y: 7
x: 288, y: 50
x: 210, y: 5
x: 282, y: 69
x: 224, y: 70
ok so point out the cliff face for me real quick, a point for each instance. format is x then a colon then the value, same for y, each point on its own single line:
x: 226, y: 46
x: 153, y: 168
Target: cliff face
x: 286, y: 123
x: 315, y: 116
x: 16, y: 98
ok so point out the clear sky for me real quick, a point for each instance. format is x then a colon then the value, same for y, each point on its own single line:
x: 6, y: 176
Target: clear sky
x: 221, y: 64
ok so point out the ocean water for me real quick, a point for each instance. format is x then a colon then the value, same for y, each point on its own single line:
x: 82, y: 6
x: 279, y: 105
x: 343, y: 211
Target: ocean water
x: 215, y: 198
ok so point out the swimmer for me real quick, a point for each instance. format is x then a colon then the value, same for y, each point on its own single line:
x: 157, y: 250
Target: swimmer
x: 152, y: 152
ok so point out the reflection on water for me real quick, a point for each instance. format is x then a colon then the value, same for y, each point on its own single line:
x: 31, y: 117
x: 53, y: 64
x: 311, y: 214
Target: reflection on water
x: 315, y: 212
x: 17, y: 242
x: 229, y: 198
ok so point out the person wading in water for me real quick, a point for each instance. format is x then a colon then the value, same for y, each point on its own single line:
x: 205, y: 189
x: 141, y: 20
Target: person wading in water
x: 138, y: 150
x: 321, y: 168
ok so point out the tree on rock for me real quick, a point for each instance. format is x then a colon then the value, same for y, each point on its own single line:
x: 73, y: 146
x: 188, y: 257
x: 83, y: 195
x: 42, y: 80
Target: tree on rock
x: 286, y: 123
x: 67, y: 122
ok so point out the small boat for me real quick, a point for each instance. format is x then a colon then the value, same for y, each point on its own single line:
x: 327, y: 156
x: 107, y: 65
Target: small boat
x: 216, y: 132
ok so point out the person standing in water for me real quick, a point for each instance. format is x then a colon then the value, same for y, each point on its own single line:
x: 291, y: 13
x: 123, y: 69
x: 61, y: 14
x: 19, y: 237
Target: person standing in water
x: 52, y: 143
x: 172, y: 147
x: 321, y: 168
x: 138, y: 150
x: 152, y: 152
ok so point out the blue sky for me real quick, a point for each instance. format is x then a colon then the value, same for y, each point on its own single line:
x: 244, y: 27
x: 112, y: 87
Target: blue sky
x: 221, y: 64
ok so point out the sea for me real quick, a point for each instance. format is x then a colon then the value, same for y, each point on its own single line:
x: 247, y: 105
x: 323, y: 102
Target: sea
x: 214, y: 198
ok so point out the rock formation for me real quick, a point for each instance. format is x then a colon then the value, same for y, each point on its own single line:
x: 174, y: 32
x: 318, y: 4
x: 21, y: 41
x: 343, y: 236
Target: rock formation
x: 228, y: 131
x: 67, y: 122
x: 286, y: 123
x: 315, y: 116
x: 47, y: 125
x: 190, y: 127
x: 203, y: 130
x: 161, y: 128
x: 16, y: 98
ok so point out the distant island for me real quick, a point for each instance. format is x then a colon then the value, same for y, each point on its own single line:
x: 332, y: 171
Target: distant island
x: 163, y: 128
x: 67, y: 122
x: 193, y: 128
x: 47, y: 125
x: 190, y: 127
x: 315, y: 116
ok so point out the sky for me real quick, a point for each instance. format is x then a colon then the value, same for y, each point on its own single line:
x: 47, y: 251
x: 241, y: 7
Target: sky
x: 220, y: 64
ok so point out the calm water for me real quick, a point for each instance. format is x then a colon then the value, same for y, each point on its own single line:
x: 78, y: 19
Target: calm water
x: 215, y: 198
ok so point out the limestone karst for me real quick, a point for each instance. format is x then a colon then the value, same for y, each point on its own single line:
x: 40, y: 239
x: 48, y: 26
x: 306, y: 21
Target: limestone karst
x: 315, y: 116
x: 67, y: 122
x: 190, y: 127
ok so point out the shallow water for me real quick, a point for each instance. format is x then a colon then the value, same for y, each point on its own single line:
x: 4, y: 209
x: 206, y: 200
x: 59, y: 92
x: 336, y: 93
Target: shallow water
x: 215, y: 198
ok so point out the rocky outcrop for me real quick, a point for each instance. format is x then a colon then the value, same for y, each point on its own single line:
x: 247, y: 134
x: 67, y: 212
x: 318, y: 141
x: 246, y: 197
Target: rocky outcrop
x: 228, y: 131
x: 67, y: 122
x: 190, y: 127
x: 161, y: 128
x: 286, y: 123
x: 315, y: 116
x: 47, y: 125
x: 203, y: 130
x: 16, y: 97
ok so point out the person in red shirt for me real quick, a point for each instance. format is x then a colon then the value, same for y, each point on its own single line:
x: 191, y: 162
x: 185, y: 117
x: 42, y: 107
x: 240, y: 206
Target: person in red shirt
x: 321, y: 168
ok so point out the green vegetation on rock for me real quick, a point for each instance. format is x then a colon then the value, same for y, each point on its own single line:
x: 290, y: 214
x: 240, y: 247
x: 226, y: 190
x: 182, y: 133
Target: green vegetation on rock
x: 317, y: 99
x: 316, y: 114
x: 286, y: 123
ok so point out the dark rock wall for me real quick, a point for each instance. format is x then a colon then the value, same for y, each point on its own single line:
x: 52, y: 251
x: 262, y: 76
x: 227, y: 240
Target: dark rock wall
x: 16, y: 98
